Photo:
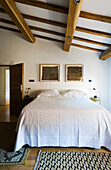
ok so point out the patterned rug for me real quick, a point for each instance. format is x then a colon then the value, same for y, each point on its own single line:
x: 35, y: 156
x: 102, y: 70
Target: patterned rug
x: 58, y: 160
x: 12, y: 158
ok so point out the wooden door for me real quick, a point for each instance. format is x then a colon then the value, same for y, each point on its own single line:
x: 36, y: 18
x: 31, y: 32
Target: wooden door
x: 16, y: 88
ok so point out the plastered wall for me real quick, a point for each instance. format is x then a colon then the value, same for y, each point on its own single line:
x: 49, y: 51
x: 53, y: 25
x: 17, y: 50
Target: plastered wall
x: 14, y: 49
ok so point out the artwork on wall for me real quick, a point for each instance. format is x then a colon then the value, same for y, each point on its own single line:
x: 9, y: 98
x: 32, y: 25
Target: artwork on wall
x: 49, y: 72
x: 74, y: 72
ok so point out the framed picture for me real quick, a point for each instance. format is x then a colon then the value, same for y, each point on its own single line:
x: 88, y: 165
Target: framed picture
x: 49, y: 72
x: 74, y: 72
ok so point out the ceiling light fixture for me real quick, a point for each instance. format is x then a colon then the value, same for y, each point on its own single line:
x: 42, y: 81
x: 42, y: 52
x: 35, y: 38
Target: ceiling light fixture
x: 68, y: 37
x: 77, y: 1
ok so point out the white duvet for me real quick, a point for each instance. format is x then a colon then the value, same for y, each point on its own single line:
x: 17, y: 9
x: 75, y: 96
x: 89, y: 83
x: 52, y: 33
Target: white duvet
x: 64, y: 122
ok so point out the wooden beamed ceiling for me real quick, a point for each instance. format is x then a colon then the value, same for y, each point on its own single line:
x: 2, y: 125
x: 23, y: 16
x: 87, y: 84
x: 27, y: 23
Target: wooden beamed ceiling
x: 14, y: 13
x: 72, y: 17
x: 63, y: 35
x: 52, y: 39
x: 44, y: 5
x: 38, y: 19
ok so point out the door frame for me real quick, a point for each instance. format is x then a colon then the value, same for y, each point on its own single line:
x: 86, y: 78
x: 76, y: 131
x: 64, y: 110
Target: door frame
x: 7, y: 65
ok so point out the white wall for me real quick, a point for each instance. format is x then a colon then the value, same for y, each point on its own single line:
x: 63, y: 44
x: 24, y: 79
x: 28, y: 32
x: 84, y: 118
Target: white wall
x: 14, y: 49
x: 109, y: 84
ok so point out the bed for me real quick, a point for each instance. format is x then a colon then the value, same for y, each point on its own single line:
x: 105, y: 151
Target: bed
x: 64, y: 119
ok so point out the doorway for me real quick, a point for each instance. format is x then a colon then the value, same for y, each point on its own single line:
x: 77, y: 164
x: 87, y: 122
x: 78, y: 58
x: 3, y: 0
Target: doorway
x: 11, y: 93
x: 5, y: 93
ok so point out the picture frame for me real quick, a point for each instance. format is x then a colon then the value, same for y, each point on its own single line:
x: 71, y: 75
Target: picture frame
x: 74, y: 72
x: 49, y: 72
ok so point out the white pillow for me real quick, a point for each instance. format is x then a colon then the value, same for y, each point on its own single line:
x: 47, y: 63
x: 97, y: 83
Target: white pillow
x: 73, y: 93
x: 49, y: 93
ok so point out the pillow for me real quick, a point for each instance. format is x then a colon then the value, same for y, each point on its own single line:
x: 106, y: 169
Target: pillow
x: 73, y: 93
x: 49, y: 93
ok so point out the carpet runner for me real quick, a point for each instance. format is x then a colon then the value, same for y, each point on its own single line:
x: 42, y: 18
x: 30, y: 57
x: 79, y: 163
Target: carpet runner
x: 51, y: 160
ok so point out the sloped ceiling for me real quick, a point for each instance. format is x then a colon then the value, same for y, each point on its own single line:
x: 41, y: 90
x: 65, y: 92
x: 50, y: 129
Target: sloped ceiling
x: 54, y: 25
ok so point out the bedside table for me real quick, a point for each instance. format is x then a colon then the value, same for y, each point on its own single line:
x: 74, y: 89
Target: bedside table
x: 27, y: 100
x: 95, y: 99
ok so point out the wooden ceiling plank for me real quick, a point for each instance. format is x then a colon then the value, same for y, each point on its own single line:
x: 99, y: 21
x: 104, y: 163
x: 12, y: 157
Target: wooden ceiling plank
x: 44, y: 5
x: 85, y: 47
x: 106, y: 54
x: 73, y: 15
x: 38, y: 19
x: 91, y: 41
x: 11, y: 9
x: 10, y: 29
x: 96, y: 17
x: 48, y: 38
x: 2, y: 10
x: 46, y: 31
x: 6, y: 21
x: 46, y: 21
x: 39, y: 36
x: 94, y: 32
x: 34, y: 28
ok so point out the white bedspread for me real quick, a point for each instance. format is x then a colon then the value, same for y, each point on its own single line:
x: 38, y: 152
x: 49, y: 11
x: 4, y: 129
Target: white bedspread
x: 64, y: 121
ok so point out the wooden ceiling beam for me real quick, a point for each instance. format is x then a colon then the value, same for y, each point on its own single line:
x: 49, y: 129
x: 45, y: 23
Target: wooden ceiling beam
x: 91, y: 41
x: 96, y: 17
x: 38, y: 19
x: 34, y: 28
x: 106, y: 54
x: 44, y: 5
x: 94, y: 32
x: 12, y: 10
x: 87, y: 48
x: 73, y: 15
x: 36, y: 35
